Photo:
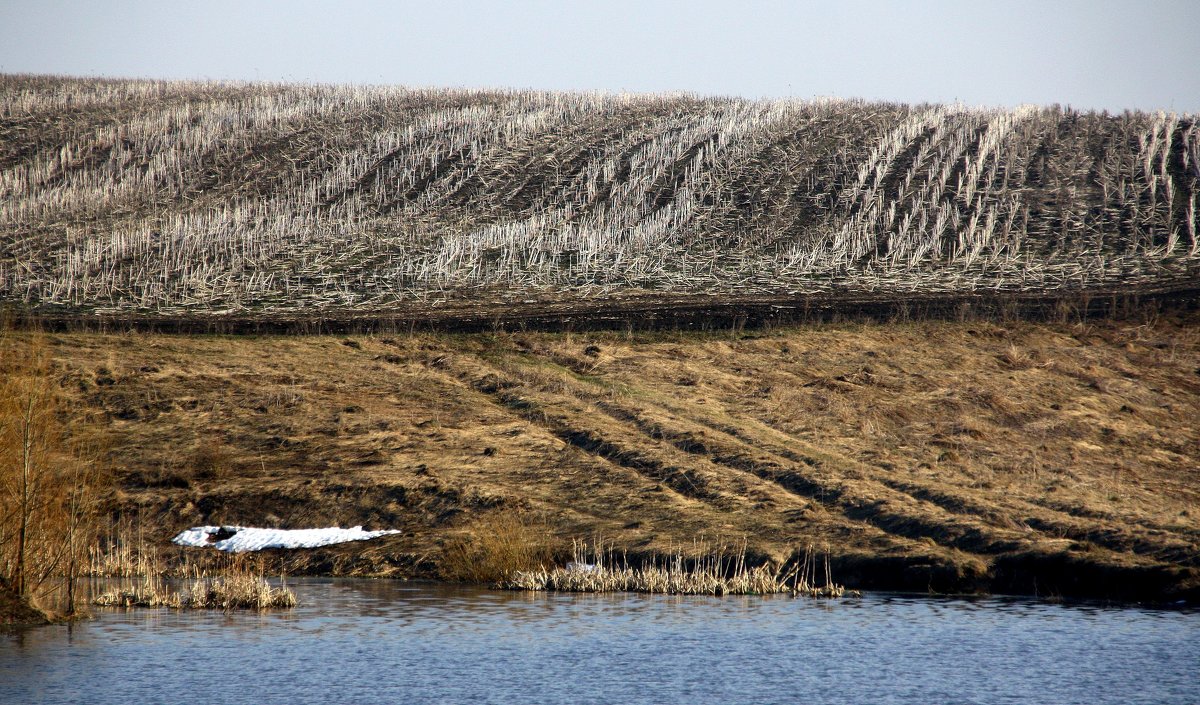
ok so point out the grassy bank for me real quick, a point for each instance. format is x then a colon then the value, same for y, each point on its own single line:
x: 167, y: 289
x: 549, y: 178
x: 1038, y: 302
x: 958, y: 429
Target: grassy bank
x: 16, y: 611
x: 1018, y: 457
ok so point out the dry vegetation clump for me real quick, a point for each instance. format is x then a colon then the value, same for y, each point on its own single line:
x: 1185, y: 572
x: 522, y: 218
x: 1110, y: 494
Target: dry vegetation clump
x: 597, y: 568
x: 497, y: 547
x: 237, y: 584
x: 237, y: 590
x: 146, y: 592
x: 50, y: 482
x: 148, y: 578
x: 213, y: 199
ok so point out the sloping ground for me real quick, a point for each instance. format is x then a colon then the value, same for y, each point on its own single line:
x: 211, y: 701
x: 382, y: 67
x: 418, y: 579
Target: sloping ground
x: 164, y: 200
x: 1015, y: 457
x: 15, y: 612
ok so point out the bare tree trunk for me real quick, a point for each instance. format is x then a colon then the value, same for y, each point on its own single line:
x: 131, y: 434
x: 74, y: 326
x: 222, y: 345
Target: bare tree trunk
x: 72, y: 570
x: 19, y: 582
x: 79, y: 509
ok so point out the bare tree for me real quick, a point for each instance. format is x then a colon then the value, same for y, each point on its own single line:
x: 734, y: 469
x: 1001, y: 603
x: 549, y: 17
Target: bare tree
x: 47, y: 501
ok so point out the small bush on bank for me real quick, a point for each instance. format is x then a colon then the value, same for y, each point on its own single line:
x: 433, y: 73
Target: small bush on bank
x: 497, y: 547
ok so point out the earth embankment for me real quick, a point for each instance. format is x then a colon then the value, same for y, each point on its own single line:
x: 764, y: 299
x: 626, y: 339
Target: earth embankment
x: 1037, y: 458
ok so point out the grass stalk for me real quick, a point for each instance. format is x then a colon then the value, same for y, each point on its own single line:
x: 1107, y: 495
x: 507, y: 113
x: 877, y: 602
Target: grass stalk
x: 596, y: 568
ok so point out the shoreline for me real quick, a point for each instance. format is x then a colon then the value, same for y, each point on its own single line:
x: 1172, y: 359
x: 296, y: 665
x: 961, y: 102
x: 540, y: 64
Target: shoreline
x: 1050, y: 577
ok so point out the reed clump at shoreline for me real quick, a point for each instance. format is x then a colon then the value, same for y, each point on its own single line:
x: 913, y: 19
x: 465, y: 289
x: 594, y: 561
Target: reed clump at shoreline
x: 595, y: 568
x: 238, y: 584
x: 498, y: 546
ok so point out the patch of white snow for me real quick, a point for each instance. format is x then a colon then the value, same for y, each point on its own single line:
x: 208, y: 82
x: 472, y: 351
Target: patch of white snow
x: 247, y: 538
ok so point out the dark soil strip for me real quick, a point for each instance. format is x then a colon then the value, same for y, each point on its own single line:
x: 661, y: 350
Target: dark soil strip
x: 665, y: 312
x: 682, y: 480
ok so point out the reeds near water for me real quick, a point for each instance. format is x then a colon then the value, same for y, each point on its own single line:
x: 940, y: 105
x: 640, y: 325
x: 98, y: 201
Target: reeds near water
x: 596, y: 569
x: 228, y: 583
x: 228, y: 591
x: 499, y: 546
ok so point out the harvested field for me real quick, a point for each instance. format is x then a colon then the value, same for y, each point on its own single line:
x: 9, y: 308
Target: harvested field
x: 1043, y: 458
x: 203, y: 202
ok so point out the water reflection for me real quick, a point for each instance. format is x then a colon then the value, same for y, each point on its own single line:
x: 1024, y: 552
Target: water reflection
x: 386, y: 641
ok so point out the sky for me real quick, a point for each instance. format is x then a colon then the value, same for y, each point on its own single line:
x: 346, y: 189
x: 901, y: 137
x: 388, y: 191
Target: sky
x: 1099, y: 54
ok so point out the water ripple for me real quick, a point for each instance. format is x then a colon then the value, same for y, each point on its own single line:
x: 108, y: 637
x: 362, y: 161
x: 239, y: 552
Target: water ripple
x: 382, y: 642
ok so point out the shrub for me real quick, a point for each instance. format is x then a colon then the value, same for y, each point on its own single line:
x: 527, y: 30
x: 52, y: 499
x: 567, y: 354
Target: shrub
x: 497, y: 546
x: 48, y: 481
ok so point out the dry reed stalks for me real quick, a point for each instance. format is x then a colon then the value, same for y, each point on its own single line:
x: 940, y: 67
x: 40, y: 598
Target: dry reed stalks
x: 238, y: 590
x: 497, y: 547
x: 239, y: 583
x: 148, y: 591
x: 49, y: 480
x: 598, y: 569
x: 124, y: 552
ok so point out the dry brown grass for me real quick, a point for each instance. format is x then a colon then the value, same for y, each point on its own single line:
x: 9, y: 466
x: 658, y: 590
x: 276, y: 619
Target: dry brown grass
x: 125, y: 550
x: 50, y: 474
x: 238, y: 582
x: 237, y: 590
x: 596, y: 567
x: 1016, y: 358
x: 497, y: 547
x: 917, y: 442
x: 210, y: 461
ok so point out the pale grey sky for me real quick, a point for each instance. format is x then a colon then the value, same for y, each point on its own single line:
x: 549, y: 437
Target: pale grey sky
x: 1110, y: 54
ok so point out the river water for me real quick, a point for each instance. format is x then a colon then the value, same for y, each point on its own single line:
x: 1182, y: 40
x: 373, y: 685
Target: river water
x: 361, y: 641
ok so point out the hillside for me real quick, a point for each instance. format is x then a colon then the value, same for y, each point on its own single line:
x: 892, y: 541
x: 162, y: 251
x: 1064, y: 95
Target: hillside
x: 170, y: 200
x: 992, y: 435
x: 1051, y: 459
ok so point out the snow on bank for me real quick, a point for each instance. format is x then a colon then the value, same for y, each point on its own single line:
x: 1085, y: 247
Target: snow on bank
x: 236, y: 539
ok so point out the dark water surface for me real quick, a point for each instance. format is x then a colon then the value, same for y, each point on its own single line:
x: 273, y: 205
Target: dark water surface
x: 358, y: 641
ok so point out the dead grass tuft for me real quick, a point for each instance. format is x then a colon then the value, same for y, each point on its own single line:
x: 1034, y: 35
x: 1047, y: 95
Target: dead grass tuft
x: 238, y: 590
x: 211, y: 461
x: 595, y: 568
x: 497, y: 546
x: 240, y: 583
x: 1015, y: 358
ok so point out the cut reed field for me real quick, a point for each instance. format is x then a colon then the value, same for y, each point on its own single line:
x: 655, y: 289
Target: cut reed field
x: 166, y: 199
